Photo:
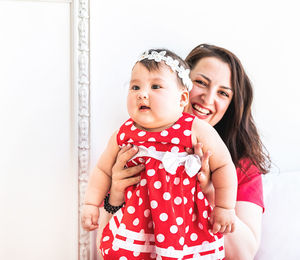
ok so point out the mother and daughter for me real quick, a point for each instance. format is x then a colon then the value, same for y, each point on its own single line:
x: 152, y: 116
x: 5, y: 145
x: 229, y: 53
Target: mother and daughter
x: 177, y: 206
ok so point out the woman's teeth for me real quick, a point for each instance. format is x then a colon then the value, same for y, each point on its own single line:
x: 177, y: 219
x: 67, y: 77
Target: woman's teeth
x: 201, y: 110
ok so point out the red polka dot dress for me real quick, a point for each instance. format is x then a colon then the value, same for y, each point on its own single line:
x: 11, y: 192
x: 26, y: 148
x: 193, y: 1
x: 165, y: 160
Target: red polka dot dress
x: 166, y: 215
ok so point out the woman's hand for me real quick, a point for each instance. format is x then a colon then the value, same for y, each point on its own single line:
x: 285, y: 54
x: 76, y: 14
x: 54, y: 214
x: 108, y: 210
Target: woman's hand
x: 123, y: 177
x: 204, y: 173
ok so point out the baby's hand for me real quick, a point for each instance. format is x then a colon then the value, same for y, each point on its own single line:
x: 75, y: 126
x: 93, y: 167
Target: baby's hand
x: 89, y: 217
x: 222, y: 220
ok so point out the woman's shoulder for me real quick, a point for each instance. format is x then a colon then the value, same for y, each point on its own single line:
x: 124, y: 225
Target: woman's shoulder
x: 249, y: 182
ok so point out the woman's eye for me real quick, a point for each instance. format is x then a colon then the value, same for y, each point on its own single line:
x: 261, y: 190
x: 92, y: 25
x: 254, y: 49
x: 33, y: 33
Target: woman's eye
x: 201, y: 82
x: 155, y: 87
x: 134, y: 87
x: 224, y: 93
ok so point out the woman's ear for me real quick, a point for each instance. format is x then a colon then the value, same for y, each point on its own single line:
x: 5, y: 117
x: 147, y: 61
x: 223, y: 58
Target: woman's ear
x: 184, y: 98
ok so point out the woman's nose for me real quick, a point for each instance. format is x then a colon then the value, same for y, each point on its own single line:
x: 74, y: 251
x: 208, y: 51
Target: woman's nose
x: 209, y: 97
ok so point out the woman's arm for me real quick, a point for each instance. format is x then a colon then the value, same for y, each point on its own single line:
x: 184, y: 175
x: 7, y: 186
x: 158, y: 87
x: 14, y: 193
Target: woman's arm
x: 243, y: 243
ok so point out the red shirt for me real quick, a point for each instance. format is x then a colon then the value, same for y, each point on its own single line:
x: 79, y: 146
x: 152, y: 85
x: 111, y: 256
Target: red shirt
x: 249, y: 183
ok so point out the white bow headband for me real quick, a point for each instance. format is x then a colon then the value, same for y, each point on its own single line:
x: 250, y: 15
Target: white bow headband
x: 172, y: 63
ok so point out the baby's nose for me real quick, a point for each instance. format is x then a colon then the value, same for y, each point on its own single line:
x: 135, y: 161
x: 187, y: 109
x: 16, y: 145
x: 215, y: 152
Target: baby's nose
x: 143, y: 95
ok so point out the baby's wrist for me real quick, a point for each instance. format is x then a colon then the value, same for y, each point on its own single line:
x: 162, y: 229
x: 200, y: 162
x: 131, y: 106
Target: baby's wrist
x: 223, y: 207
x: 91, y: 204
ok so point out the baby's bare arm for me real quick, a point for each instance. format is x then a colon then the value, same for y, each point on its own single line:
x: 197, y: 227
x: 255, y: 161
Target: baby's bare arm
x: 98, y: 185
x: 224, y: 177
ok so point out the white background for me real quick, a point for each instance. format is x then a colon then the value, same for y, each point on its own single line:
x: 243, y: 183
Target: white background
x: 38, y: 186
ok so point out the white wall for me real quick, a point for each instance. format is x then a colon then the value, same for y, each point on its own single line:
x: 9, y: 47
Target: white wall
x: 38, y: 188
x: 263, y: 34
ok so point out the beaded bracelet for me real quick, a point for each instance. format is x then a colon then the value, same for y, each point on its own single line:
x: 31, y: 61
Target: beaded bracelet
x: 109, y: 208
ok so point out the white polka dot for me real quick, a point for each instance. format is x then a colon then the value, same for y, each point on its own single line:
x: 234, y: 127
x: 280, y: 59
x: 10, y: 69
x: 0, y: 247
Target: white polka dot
x: 106, y: 238
x: 173, y: 229
x: 122, y: 136
x: 140, y: 201
x: 167, y: 196
x: 141, y: 142
x: 187, y: 132
x: 163, y: 216
x: 106, y: 251
x: 178, y: 200
x: 181, y: 241
x: 189, y: 119
x: 143, y: 182
x: 136, y: 253
x: 175, y: 140
x: 186, y: 181
x: 205, y: 202
x: 191, y: 210
x: 150, y: 172
x: 179, y: 220
x: 131, y: 209
x: 164, y: 142
x: 136, y: 222
x: 157, y: 185
x: 175, y: 149
x: 185, y: 200
x: 176, y: 126
x: 142, y: 133
x: 194, y: 236
x: 187, y: 229
x: 176, y: 180
x: 128, y: 123
x: 160, y: 237
x: 200, y: 195
x: 147, y: 213
x: 148, y: 160
x: 200, y: 225
x: 193, y: 190
x: 154, y: 204
x: 171, y: 248
x: 130, y: 141
x: 151, y: 139
x: 194, y: 217
x: 167, y: 178
x: 152, y: 148
x: 123, y: 258
x: 160, y: 166
x: 129, y: 194
x: 133, y: 128
x: 115, y: 247
x: 164, y: 133
x: 205, y: 214
x: 138, y: 193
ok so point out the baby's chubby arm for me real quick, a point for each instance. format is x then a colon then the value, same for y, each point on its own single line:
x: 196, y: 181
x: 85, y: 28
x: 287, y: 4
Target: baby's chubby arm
x: 99, y: 184
x: 224, y: 176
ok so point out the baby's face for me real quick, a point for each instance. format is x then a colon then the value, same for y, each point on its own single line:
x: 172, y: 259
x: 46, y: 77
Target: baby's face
x: 155, y: 100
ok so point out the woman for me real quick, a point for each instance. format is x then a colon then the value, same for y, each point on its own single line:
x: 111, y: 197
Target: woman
x: 222, y: 96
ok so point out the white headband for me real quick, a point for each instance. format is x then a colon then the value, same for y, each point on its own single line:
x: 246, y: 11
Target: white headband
x: 172, y: 63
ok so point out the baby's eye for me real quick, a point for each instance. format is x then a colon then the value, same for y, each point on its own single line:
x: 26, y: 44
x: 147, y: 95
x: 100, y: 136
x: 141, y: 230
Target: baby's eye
x: 134, y: 87
x: 155, y: 87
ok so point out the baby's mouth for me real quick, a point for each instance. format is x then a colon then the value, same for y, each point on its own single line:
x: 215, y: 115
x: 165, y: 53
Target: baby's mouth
x: 201, y: 110
x: 144, y: 107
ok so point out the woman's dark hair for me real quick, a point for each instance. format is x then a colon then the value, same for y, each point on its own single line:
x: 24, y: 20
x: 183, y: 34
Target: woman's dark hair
x: 153, y: 65
x: 236, y: 128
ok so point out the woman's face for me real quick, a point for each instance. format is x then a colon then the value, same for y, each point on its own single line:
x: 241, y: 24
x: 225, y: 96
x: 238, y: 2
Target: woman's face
x: 212, y: 91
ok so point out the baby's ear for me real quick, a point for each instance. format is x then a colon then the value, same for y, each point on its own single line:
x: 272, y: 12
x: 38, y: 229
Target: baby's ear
x: 184, y: 98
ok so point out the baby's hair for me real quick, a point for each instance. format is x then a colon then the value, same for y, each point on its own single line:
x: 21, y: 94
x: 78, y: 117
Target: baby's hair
x: 152, y: 65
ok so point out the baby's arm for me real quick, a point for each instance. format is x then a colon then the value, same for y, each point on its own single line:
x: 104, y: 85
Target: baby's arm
x: 99, y: 184
x: 224, y: 176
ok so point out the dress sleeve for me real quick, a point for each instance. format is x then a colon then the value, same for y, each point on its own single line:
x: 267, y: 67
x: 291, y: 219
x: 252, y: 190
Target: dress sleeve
x: 249, y: 183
